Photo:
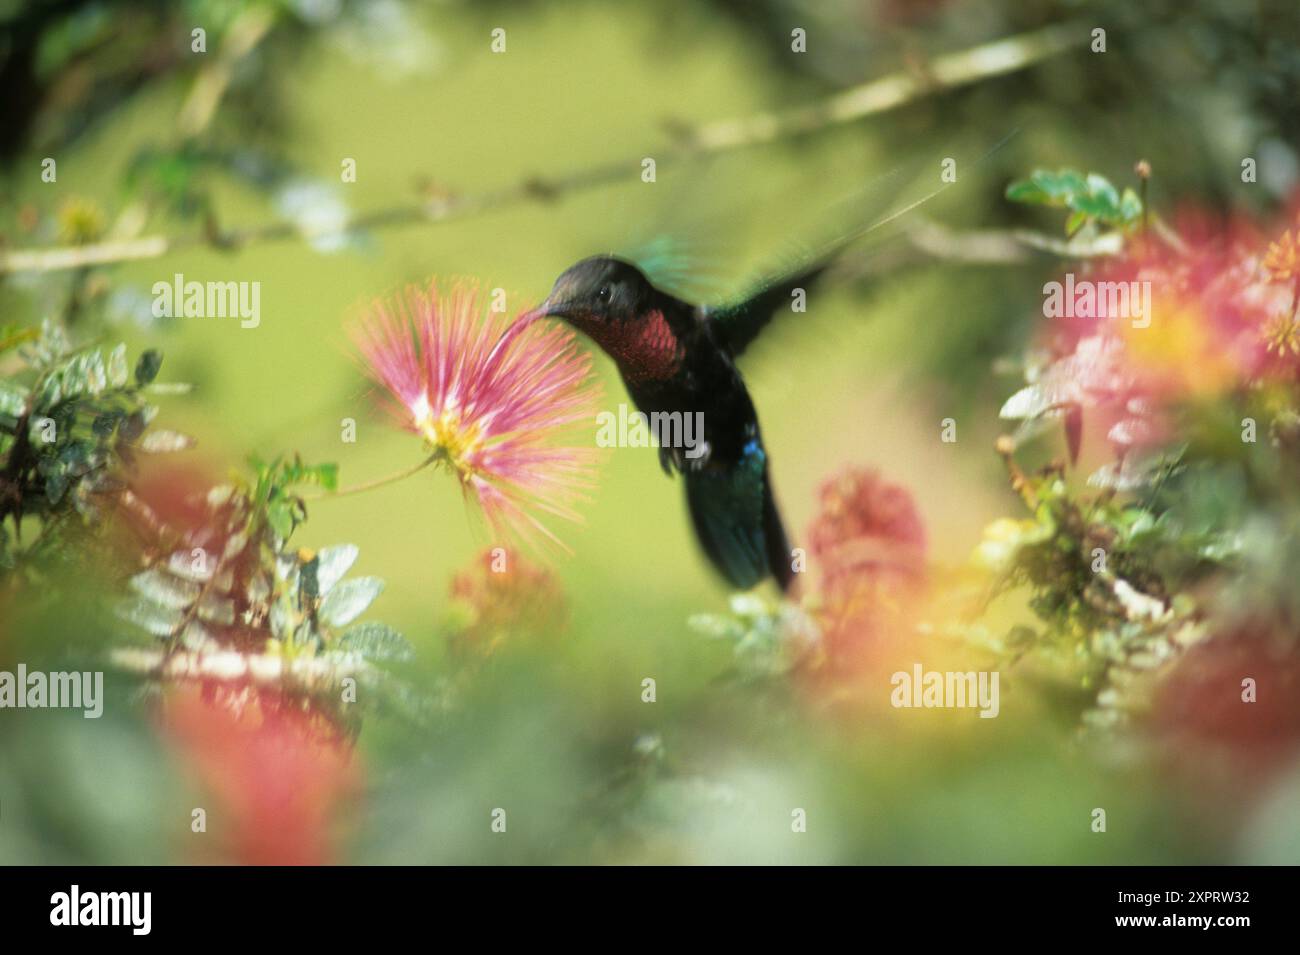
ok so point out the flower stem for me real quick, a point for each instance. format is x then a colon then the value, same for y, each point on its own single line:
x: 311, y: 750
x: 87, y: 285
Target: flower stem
x: 378, y: 482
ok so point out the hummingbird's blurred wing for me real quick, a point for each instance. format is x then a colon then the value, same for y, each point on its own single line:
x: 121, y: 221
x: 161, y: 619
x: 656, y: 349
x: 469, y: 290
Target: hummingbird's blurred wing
x: 787, y: 282
x: 695, y: 252
x: 684, y: 266
x: 785, y: 288
x: 737, y: 324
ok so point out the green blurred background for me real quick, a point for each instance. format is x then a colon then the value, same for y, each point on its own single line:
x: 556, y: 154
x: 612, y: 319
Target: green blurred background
x: 558, y: 733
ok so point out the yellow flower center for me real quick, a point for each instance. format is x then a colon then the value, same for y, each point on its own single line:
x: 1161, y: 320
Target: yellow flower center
x: 448, y: 436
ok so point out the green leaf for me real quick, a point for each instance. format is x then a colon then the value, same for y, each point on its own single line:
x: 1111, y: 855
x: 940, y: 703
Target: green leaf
x: 1100, y: 186
x: 52, y: 344
x: 332, y: 564
x: 96, y: 379
x: 1047, y: 188
x: 1098, y: 199
x: 1061, y: 185
x: 165, y: 589
x: 79, y: 457
x: 195, y: 636
x: 327, y: 476
x: 56, y: 485
x: 195, y: 564
x: 105, y: 423
x: 81, y: 375
x: 323, y: 475
x: 1090, y: 197
x: 1026, y: 191
x: 349, y: 600
x: 1033, y: 400
x: 130, y: 429
x: 1128, y: 474
x: 280, y: 515
x: 146, y: 368
x: 376, y: 641
x: 51, y: 392
x: 1130, y: 207
x: 117, y: 370
x: 159, y: 621
x: 13, y: 399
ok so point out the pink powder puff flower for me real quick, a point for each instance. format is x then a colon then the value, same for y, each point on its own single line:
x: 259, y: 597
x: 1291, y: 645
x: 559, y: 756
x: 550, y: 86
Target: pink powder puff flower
x: 490, y: 396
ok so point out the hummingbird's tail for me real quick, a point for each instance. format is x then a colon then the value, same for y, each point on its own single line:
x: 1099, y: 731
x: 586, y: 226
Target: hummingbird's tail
x: 737, y: 523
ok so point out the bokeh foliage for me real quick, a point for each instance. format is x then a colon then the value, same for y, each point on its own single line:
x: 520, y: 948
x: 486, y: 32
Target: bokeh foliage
x: 239, y: 153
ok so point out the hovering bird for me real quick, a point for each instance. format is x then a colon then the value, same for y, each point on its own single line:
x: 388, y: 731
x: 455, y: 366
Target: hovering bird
x: 679, y: 357
x: 676, y: 357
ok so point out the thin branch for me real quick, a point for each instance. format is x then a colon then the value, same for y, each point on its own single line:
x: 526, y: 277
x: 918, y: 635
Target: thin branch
x: 377, y: 482
x: 944, y: 73
x: 212, y: 82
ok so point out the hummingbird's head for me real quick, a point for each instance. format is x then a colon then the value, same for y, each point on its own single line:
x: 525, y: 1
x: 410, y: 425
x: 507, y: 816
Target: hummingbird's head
x: 614, y: 304
x: 598, y: 293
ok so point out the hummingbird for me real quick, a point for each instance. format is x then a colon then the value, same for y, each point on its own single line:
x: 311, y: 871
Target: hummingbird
x: 679, y: 357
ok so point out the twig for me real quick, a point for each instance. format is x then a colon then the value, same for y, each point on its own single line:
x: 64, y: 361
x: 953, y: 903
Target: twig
x: 946, y: 72
x: 377, y: 482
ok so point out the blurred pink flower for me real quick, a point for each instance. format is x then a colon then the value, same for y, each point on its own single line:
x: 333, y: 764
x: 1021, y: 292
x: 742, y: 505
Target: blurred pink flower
x: 504, y: 599
x: 489, y: 395
x: 1220, y: 305
x: 869, y: 542
x: 279, y: 768
x: 867, y: 528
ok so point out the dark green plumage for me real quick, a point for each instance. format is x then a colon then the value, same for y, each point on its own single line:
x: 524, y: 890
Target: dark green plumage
x: 736, y: 522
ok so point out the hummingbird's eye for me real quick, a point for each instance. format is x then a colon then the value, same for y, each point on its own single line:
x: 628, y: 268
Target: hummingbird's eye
x: 604, y: 293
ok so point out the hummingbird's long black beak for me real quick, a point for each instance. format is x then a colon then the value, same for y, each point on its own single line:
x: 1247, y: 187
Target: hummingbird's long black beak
x: 549, y: 308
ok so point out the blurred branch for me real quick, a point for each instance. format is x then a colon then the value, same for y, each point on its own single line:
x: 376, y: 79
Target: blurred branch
x: 1007, y: 246
x: 926, y: 241
x: 212, y: 82
x: 941, y: 74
